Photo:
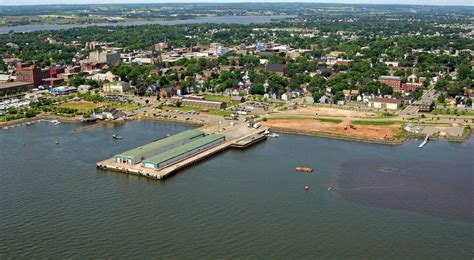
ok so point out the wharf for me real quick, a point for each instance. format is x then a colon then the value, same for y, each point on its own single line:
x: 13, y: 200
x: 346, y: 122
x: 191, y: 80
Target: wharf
x: 238, y: 137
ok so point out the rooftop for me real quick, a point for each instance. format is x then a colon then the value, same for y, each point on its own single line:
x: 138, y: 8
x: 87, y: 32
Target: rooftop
x: 14, y: 84
x: 183, y: 149
x: 160, y: 143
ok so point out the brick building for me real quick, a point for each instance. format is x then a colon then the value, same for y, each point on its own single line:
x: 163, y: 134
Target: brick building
x: 394, y: 82
x: 28, y: 73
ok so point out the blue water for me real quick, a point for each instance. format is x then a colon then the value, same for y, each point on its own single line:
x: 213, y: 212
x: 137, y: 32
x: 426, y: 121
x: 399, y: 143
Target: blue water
x: 247, y: 204
x: 212, y: 19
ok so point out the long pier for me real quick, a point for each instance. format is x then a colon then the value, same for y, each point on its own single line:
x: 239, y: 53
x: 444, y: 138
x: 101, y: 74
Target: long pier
x: 248, y: 137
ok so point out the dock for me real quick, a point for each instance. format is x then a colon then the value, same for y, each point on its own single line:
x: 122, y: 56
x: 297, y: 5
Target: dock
x: 427, y: 138
x: 239, y: 137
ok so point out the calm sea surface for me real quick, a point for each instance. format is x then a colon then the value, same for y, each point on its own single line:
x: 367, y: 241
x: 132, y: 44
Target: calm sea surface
x: 256, y: 19
x: 385, y: 201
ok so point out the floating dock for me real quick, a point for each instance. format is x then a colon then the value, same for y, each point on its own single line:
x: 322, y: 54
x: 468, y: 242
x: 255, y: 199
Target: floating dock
x: 237, y: 137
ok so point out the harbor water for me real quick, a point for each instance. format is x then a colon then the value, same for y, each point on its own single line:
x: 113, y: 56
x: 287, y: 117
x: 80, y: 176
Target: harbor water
x: 383, y: 201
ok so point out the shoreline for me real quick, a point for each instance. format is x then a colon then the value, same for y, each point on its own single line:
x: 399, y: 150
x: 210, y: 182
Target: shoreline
x: 63, y: 119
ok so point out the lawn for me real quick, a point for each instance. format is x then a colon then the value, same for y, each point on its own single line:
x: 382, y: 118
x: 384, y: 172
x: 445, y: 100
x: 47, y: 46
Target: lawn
x: 330, y: 120
x: 125, y: 106
x: 217, y: 98
x: 368, y: 122
x: 449, y: 111
x: 82, y: 107
x: 219, y: 112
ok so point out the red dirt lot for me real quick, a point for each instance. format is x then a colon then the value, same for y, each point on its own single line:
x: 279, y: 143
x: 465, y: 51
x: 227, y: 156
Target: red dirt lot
x: 313, y: 125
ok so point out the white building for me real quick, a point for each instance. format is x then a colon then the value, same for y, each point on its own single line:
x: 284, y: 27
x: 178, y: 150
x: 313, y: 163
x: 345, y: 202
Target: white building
x: 384, y: 103
x: 118, y: 87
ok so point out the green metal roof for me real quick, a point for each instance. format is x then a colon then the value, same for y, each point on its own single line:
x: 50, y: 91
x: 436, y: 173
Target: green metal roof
x: 160, y: 143
x: 182, y: 149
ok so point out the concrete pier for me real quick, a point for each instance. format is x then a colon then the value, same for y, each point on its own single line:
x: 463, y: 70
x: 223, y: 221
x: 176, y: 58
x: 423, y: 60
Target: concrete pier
x: 238, y: 137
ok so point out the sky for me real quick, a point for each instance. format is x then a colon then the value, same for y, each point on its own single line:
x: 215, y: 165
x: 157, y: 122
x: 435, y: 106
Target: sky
x: 415, y: 2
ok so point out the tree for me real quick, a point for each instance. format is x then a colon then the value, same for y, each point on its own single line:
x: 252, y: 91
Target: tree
x: 316, y: 96
x: 469, y: 102
x: 464, y: 70
x: 338, y: 96
x: 386, y: 90
x: 77, y: 81
x: 441, y: 98
x: 3, y: 66
x: 257, y: 89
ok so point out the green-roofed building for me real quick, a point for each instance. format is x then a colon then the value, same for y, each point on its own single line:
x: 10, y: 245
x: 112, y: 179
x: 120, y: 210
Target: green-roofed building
x: 183, y: 151
x: 143, y: 152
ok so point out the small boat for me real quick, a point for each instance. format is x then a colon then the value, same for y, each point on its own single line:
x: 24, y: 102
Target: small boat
x: 115, y: 136
x: 57, y: 142
x: 306, y: 187
x: 274, y: 135
x: 5, y: 127
x: 329, y: 188
x: 304, y: 169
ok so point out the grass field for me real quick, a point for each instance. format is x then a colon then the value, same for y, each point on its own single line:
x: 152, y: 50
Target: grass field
x: 217, y: 98
x: 124, y: 106
x: 449, y: 111
x: 3, y: 118
x: 219, y: 112
x: 182, y: 108
x: 368, y: 122
x: 82, y: 107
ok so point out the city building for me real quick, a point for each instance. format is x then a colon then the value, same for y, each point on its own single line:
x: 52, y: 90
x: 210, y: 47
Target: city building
x: 385, y: 103
x: 15, y: 87
x: 103, y: 57
x: 118, y: 87
x: 28, y: 73
x: 394, y: 82
x: 279, y: 69
x: 206, y: 104
x: 425, y: 105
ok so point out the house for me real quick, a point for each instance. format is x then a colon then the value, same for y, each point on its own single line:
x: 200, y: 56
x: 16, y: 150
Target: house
x: 109, y: 76
x: 425, y: 106
x: 279, y: 69
x: 83, y: 88
x: 349, y: 93
x: 284, y: 97
x: 324, y: 99
x: 168, y: 92
x: 109, y: 113
x: 112, y: 113
x: 237, y: 99
x: 385, y: 103
x: 118, y: 87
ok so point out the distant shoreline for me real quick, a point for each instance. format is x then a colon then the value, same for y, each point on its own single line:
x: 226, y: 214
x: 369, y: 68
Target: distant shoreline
x: 244, y: 20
